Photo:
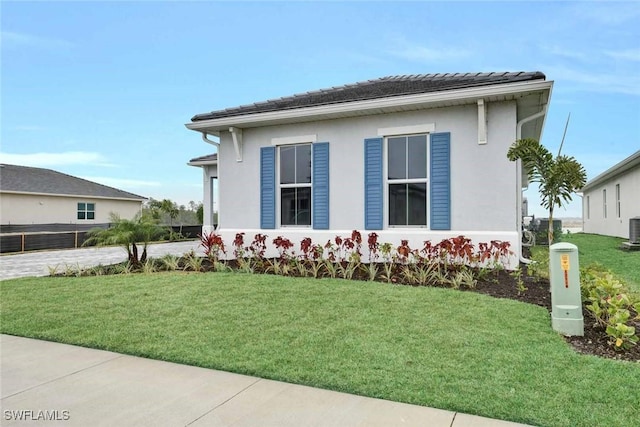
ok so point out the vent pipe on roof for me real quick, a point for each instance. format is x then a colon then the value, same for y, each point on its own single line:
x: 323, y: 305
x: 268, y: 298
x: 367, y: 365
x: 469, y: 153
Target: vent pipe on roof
x: 539, y: 114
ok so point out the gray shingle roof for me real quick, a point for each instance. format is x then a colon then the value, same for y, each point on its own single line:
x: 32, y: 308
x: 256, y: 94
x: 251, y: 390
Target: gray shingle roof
x: 26, y: 179
x: 379, y: 88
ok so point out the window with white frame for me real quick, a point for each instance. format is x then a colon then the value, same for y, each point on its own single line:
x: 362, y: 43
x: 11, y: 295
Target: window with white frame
x: 295, y: 184
x: 407, y: 180
x: 617, y: 200
x: 604, y: 203
x: 86, y: 211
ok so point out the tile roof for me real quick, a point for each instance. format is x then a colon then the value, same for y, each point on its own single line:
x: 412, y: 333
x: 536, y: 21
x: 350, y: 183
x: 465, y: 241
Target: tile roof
x: 206, y: 158
x: 24, y: 179
x: 379, y: 88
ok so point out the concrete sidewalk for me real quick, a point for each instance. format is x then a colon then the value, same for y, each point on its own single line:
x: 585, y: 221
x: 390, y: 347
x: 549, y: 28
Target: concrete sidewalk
x: 83, y: 387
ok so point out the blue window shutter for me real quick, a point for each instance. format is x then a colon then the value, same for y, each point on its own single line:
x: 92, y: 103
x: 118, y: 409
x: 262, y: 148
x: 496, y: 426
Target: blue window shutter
x: 440, y: 190
x: 373, y: 184
x: 320, y: 182
x: 268, y: 187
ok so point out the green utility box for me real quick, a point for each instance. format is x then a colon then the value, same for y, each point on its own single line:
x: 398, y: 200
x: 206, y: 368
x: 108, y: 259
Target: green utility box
x: 566, y: 302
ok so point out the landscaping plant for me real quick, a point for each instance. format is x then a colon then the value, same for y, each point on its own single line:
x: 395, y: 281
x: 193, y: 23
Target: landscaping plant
x: 128, y: 233
x: 558, y: 177
x: 611, y: 305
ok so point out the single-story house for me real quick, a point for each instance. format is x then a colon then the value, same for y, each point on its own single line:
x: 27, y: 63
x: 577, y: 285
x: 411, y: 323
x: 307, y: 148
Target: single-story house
x: 415, y: 157
x: 31, y: 195
x: 610, y: 199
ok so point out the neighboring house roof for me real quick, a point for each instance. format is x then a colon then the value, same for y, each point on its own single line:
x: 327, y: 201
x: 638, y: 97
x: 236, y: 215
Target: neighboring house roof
x: 392, y: 94
x: 375, y: 89
x: 633, y: 161
x: 209, y: 159
x: 24, y: 179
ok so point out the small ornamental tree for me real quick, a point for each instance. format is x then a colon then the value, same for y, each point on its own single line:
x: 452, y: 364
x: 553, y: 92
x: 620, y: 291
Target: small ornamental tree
x: 127, y: 233
x: 558, y: 177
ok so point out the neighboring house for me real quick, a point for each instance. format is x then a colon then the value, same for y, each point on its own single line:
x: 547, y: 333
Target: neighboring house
x: 418, y: 157
x: 611, y: 198
x: 42, y: 196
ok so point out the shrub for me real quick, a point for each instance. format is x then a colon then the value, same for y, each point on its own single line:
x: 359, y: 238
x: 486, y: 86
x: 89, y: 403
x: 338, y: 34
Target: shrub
x: 611, y: 305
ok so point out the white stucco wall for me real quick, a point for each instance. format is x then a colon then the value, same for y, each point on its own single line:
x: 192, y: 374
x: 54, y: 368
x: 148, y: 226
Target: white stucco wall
x: 46, y: 209
x: 208, y: 172
x: 483, y: 182
x: 593, y: 209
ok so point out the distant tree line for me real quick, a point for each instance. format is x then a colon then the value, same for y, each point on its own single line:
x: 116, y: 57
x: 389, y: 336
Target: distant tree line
x: 168, y: 212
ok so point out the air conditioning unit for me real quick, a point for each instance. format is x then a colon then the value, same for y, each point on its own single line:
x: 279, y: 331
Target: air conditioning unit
x: 634, y: 230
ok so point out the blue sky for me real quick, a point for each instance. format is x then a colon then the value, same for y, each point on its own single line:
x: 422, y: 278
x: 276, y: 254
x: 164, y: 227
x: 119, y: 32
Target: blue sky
x: 102, y: 90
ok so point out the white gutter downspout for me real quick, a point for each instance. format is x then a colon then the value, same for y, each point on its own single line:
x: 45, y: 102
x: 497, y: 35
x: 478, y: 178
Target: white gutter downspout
x: 541, y: 113
x: 208, y: 141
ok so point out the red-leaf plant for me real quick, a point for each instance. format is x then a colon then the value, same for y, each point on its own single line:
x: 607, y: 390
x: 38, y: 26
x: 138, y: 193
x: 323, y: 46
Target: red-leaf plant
x: 403, y: 252
x: 245, y: 264
x: 306, y: 248
x: 310, y: 260
x: 374, y: 246
x: 461, y: 252
x: 283, y: 245
x: 213, y: 246
x: 238, y: 244
x: 258, y: 247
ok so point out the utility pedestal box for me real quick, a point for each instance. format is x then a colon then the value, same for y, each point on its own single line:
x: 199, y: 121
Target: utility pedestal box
x: 566, y: 301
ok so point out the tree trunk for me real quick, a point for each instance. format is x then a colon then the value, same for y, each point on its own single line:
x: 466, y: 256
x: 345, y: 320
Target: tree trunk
x: 550, y: 232
x: 129, y: 254
x: 134, y: 259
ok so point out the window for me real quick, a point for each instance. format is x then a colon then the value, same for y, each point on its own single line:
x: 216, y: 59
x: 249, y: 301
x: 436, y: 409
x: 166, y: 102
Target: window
x: 376, y: 182
x: 86, y: 211
x: 295, y: 184
x: 604, y: 203
x: 407, y: 180
x: 617, y: 200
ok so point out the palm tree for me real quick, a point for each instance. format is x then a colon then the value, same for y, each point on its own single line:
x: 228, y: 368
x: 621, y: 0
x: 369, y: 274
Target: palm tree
x: 557, y: 177
x: 127, y: 233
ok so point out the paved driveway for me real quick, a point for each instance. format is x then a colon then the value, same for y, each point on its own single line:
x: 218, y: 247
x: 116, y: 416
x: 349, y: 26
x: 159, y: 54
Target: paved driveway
x: 38, y: 263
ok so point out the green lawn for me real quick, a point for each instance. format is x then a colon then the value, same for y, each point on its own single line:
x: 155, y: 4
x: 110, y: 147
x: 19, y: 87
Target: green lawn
x: 605, y: 250
x: 448, y: 349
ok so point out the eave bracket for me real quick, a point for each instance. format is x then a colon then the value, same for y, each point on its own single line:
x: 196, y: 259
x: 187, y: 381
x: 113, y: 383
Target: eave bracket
x: 482, y: 122
x: 236, y: 134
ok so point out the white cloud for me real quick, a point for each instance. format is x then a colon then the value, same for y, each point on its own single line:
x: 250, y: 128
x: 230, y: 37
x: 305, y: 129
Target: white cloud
x: 421, y: 53
x: 567, y: 53
x: 55, y: 159
x: 593, y: 81
x: 12, y: 39
x: 627, y: 55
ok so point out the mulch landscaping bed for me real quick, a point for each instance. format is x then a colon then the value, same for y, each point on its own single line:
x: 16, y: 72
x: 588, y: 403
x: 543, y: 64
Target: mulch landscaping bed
x: 594, y: 342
